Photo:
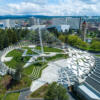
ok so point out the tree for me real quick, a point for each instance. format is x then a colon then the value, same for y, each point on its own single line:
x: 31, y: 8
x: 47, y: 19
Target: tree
x: 14, y: 37
x: 75, y: 41
x: 56, y: 92
x: 95, y: 46
x: 62, y: 38
x: 6, y: 41
x: 95, y: 40
x: 79, y: 32
x: 17, y: 75
x: 11, y: 36
x: 1, y: 42
x: 70, y: 31
x: 72, y: 40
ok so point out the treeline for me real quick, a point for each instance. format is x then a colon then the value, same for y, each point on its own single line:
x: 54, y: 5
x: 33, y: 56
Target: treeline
x: 76, y: 41
x: 11, y: 36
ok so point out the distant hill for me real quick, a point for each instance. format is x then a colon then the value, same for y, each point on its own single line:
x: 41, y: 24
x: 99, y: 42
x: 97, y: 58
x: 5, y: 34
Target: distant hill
x: 88, y: 18
x: 28, y: 16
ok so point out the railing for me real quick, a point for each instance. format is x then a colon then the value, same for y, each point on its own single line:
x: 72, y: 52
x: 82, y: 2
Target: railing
x: 4, y: 69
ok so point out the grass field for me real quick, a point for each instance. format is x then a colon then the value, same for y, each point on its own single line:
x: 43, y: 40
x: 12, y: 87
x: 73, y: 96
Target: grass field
x: 49, y: 49
x: 30, y: 52
x: 17, y: 58
x: 40, y: 92
x: 98, y: 55
x: 56, y: 57
x: 12, y: 96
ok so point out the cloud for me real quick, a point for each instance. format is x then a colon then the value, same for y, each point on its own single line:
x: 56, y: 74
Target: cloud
x: 42, y: 7
x: 90, y: 1
x: 37, y: 1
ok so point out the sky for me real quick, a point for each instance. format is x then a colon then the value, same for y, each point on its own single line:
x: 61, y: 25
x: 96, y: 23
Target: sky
x: 50, y: 7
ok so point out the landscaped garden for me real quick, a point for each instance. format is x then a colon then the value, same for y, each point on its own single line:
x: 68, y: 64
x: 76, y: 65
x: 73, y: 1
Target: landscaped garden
x: 40, y: 93
x: 32, y: 72
x: 50, y: 92
x: 29, y: 51
x: 49, y: 49
x: 57, y: 57
x: 17, y: 58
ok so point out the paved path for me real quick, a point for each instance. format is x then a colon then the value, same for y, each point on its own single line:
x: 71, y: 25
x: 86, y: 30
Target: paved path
x: 23, y: 95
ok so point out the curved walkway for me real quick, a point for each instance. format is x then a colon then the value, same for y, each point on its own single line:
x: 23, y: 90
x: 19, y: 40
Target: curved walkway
x: 79, y: 62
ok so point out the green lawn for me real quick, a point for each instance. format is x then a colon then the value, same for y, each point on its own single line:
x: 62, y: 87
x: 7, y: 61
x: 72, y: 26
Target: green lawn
x: 17, y: 58
x: 98, y: 55
x: 56, y: 57
x: 30, y: 52
x: 28, y: 70
x: 40, y: 93
x: 14, y: 53
x: 12, y: 96
x: 49, y: 49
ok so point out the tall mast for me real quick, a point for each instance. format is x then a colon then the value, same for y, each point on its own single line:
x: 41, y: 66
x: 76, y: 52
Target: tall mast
x: 41, y: 43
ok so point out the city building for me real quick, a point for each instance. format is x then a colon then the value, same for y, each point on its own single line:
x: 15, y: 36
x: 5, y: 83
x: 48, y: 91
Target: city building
x: 60, y: 28
x: 73, y: 22
x: 32, y: 21
x: 59, y: 21
x: 34, y: 27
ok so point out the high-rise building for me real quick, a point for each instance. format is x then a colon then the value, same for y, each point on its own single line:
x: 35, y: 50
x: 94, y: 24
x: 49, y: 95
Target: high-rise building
x: 32, y: 21
x: 73, y: 22
x: 7, y: 23
x: 59, y: 21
